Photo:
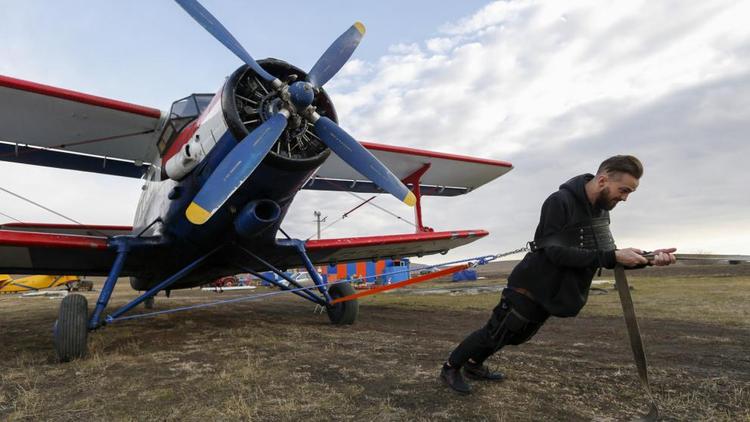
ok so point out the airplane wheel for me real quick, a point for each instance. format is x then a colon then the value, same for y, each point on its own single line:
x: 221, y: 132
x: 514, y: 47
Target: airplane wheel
x: 71, y: 331
x: 344, y: 312
x: 149, y: 303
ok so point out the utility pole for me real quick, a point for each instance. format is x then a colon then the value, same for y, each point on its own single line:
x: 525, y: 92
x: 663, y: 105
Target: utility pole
x: 319, y: 220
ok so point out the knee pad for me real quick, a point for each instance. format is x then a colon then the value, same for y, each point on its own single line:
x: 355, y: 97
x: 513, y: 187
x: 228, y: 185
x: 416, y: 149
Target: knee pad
x: 514, y: 329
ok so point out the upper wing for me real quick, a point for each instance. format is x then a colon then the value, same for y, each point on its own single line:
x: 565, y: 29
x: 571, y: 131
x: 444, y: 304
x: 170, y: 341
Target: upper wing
x: 444, y: 174
x: 55, y: 127
x: 391, y: 246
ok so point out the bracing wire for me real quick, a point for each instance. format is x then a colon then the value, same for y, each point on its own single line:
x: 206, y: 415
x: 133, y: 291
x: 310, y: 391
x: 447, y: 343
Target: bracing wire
x: 12, y: 218
x: 367, y: 201
x: 49, y: 210
x: 398, y: 217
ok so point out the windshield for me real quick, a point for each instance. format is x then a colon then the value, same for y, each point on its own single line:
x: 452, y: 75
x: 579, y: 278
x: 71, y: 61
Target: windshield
x: 182, y: 112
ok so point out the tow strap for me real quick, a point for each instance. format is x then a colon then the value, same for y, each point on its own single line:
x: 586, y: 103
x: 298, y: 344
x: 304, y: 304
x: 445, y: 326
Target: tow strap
x: 636, y: 343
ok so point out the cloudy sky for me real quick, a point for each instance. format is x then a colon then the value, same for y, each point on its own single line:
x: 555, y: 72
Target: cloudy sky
x: 552, y: 87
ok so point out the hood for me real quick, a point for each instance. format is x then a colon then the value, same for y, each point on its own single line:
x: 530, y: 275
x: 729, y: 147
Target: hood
x: 577, y: 186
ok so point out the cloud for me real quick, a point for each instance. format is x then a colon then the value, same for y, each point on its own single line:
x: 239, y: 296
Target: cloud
x: 556, y: 87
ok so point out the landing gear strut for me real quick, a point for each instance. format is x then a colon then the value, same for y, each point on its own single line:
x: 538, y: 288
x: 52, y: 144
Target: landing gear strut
x: 70, y: 332
x: 342, y: 313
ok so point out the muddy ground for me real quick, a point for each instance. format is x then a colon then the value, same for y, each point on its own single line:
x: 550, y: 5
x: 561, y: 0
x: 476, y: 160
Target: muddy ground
x: 277, y: 360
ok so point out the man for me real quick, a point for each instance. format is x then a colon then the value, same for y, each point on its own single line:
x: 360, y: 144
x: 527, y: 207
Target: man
x: 571, y: 242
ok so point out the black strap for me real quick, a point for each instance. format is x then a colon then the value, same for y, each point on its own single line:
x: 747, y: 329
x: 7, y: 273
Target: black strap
x: 636, y: 343
x: 589, y: 234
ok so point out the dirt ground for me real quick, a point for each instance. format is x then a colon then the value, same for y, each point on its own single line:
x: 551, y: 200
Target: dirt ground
x: 276, y: 359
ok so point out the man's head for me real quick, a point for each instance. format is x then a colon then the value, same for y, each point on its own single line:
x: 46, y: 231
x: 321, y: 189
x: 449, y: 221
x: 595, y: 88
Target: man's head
x: 616, y: 178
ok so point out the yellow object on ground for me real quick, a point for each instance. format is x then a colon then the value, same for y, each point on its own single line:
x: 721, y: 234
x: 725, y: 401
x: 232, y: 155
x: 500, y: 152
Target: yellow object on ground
x: 31, y: 283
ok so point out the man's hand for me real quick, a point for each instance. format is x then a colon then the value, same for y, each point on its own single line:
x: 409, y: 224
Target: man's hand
x: 630, y: 257
x: 664, y: 257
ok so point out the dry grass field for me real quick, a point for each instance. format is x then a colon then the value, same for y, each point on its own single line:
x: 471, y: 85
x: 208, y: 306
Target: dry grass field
x: 277, y: 360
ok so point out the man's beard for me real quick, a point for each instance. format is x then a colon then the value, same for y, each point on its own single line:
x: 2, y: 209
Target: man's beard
x: 604, y: 201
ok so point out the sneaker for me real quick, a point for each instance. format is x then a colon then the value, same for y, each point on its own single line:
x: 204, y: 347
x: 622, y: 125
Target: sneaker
x: 481, y: 372
x: 452, y: 377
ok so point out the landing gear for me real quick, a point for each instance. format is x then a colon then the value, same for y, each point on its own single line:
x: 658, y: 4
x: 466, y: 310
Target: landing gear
x: 343, y: 313
x: 71, y: 330
x: 340, y: 313
x: 148, y: 303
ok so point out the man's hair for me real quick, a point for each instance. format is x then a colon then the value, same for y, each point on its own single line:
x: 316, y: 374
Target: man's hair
x: 621, y: 164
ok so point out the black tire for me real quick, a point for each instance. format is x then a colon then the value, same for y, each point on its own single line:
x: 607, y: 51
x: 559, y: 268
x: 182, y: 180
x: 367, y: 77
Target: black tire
x: 149, y: 303
x: 344, y: 313
x: 71, y: 331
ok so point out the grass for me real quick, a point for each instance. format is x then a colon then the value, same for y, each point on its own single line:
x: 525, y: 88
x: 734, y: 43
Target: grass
x: 275, y: 360
x: 721, y: 301
x: 724, y: 301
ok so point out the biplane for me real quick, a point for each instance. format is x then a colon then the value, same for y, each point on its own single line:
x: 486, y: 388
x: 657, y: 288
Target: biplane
x: 33, y: 283
x: 219, y: 173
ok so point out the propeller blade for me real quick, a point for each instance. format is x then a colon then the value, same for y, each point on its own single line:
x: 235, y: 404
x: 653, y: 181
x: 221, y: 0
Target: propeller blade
x: 215, y: 28
x: 337, y: 54
x: 362, y: 160
x: 235, y: 168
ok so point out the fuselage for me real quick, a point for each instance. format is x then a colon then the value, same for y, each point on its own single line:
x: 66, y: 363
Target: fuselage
x: 193, y: 153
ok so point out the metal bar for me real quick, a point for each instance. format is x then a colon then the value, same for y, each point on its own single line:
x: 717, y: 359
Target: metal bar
x: 708, y: 257
x: 636, y: 342
x: 701, y: 257
x: 346, y: 214
x: 300, y: 246
x: 415, y: 179
x: 161, y: 286
x: 274, y: 282
x: 281, y: 274
x: 109, y: 285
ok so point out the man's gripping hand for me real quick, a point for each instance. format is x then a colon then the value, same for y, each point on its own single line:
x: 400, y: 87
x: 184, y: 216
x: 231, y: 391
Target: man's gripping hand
x: 631, y: 257
x: 661, y: 257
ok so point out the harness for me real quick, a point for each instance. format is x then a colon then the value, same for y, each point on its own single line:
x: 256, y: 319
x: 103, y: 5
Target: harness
x: 592, y: 234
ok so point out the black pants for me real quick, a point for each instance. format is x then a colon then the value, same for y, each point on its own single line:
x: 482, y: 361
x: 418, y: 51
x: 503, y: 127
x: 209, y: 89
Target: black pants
x: 514, y: 321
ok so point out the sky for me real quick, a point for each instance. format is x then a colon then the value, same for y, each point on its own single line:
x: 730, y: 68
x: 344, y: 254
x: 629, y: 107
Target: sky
x: 552, y: 87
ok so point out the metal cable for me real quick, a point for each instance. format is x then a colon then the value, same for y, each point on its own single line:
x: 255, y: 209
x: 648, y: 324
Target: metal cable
x: 12, y: 218
x: 51, y: 210
x: 364, y: 201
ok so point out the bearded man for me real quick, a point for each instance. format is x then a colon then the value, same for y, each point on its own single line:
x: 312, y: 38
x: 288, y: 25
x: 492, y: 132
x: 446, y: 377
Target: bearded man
x: 571, y: 242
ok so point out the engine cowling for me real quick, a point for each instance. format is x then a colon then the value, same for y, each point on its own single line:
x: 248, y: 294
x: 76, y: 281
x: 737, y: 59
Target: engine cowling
x: 248, y: 100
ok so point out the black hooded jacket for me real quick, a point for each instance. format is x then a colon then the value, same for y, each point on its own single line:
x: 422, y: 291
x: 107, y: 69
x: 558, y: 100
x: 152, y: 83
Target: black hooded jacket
x: 559, y: 277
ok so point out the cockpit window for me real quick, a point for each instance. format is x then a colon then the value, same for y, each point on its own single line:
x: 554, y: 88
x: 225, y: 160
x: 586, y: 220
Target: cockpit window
x: 182, y: 112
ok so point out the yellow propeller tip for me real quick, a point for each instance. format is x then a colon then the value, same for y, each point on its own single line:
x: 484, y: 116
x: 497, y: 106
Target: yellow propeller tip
x: 410, y: 199
x: 196, y: 214
x: 360, y: 27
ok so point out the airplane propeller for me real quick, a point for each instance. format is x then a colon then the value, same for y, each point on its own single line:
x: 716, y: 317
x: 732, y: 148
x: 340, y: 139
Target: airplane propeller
x: 215, y: 28
x: 298, y: 97
x: 360, y: 159
x: 336, y: 55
